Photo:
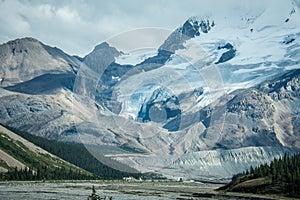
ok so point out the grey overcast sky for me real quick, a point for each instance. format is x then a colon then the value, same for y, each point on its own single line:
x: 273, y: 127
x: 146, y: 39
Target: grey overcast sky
x: 76, y: 26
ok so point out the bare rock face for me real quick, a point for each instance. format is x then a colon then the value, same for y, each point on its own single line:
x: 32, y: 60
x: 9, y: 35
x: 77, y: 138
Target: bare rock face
x: 27, y: 58
x: 265, y: 115
x: 101, y: 57
x: 254, y: 103
x: 36, y: 84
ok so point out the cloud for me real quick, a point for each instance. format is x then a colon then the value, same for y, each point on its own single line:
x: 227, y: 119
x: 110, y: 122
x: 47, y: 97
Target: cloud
x: 76, y: 26
x: 12, y: 20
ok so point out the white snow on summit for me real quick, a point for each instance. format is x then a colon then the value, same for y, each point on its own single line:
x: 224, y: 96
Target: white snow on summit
x: 265, y: 41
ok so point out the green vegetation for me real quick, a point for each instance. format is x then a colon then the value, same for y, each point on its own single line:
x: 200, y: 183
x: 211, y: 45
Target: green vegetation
x: 281, y: 176
x: 4, y: 164
x: 39, y: 166
x: 44, y: 173
x: 76, y: 154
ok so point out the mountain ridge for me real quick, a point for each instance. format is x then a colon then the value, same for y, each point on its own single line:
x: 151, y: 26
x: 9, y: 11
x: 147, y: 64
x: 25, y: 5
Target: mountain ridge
x: 26, y: 58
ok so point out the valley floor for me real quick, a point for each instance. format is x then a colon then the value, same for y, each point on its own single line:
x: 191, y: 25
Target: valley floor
x: 119, y: 190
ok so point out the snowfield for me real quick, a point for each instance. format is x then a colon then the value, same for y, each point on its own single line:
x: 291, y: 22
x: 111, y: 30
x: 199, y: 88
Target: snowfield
x: 238, y: 51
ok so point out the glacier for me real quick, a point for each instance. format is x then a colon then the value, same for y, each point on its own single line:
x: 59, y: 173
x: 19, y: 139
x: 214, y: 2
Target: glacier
x: 217, y: 58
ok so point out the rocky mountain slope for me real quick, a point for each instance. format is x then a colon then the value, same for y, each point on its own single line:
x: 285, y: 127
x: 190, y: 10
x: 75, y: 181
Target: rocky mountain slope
x: 28, y: 58
x: 36, y: 89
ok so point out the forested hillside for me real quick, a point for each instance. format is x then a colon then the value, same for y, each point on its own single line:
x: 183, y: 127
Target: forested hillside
x: 281, y: 176
x: 76, y: 154
x: 21, y: 160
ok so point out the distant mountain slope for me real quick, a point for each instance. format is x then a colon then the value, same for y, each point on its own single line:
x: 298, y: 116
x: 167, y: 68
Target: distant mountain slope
x: 40, y: 114
x: 44, y: 84
x: 101, y: 56
x: 36, y: 83
x: 18, y: 155
x: 265, y: 115
x: 27, y: 58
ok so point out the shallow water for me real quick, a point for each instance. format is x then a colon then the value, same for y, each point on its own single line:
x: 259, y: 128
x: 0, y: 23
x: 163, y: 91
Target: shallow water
x: 119, y: 190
